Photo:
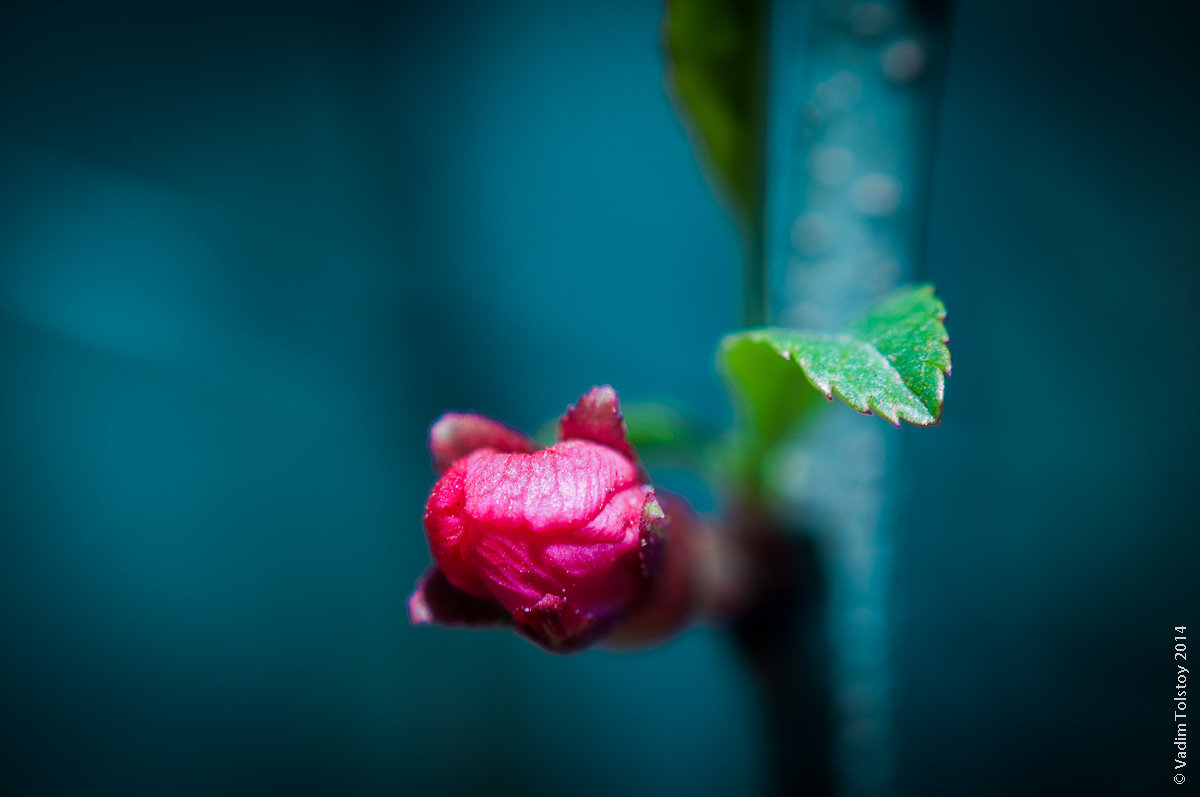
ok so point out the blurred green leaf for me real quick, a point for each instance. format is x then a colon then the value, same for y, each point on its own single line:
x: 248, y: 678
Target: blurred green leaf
x: 715, y: 54
x: 891, y: 362
x: 658, y: 429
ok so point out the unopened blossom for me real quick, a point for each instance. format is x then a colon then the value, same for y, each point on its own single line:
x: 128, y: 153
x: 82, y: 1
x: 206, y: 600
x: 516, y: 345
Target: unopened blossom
x: 566, y: 543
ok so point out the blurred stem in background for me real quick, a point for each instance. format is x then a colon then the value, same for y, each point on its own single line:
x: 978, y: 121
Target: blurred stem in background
x: 854, y: 100
x: 818, y: 122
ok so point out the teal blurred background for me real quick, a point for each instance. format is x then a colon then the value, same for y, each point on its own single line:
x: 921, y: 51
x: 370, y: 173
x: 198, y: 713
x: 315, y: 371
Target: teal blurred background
x: 248, y: 254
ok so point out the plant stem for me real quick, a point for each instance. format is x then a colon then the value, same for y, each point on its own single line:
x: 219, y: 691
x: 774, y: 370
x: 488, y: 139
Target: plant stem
x: 867, y: 98
x: 784, y: 640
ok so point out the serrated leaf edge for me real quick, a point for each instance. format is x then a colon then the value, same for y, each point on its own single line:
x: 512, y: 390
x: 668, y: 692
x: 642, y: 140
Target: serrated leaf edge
x: 761, y: 335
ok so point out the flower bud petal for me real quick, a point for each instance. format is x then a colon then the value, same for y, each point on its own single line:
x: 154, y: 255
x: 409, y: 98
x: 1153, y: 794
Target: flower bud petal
x: 565, y: 542
x: 436, y: 600
x: 596, y: 568
x: 454, y: 435
x: 557, y: 488
x: 446, y: 528
x: 554, y: 625
x: 597, y: 417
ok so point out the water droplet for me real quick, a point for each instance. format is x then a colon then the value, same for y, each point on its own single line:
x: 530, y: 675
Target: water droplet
x: 831, y: 165
x: 903, y: 61
x: 870, y: 19
x: 837, y: 93
x: 876, y: 194
x: 811, y: 233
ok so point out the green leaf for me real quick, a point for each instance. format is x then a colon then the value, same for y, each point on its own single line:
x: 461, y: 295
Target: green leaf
x: 891, y: 362
x: 715, y: 54
x: 659, y: 431
x: 654, y: 426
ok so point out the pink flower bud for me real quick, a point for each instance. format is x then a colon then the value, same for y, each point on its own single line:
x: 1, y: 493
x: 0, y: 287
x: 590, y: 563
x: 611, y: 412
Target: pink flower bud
x: 563, y: 541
